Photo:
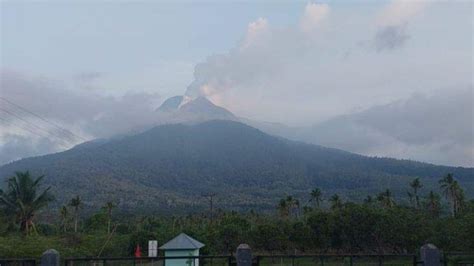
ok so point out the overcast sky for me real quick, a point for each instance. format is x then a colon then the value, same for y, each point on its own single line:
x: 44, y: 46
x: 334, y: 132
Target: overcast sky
x: 99, y: 68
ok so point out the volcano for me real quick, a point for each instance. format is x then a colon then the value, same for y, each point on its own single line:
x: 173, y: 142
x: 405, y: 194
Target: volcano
x: 185, y: 109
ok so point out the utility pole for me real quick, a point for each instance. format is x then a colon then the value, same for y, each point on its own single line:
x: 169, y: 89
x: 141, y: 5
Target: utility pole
x: 210, y: 197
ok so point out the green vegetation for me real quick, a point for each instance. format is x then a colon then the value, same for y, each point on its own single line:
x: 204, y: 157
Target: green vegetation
x: 377, y: 225
x: 21, y: 201
x: 76, y: 204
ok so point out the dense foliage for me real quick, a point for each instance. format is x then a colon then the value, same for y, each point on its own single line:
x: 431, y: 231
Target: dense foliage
x: 169, y: 167
x: 22, y: 200
x: 377, y: 225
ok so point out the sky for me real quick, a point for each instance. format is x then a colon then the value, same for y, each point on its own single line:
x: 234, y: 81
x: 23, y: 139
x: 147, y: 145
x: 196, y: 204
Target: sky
x: 100, y: 68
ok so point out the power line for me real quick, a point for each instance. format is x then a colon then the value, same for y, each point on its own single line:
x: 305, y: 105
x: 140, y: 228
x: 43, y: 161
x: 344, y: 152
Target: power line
x: 23, y: 109
x: 33, y: 125
x: 28, y: 123
x: 43, y: 119
x: 27, y: 129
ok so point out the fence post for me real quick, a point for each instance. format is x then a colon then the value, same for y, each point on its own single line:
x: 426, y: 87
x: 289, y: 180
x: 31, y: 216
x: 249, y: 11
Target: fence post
x: 243, y: 255
x: 50, y: 258
x: 430, y: 255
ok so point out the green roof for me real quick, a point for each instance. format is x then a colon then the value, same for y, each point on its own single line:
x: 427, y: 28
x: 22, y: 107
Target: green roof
x: 182, y: 241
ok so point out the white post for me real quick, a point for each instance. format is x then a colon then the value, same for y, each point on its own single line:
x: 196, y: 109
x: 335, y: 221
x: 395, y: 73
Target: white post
x: 152, y: 248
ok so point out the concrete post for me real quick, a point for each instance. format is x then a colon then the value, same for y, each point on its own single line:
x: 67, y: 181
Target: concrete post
x: 243, y: 255
x: 50, y: 258
x: 430, y: 255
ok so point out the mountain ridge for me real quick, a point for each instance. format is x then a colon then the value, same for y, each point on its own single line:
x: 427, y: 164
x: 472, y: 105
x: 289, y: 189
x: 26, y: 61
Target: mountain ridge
x: 170, y: 166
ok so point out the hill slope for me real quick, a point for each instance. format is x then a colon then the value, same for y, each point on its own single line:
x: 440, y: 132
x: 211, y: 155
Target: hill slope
x: 170, y: 166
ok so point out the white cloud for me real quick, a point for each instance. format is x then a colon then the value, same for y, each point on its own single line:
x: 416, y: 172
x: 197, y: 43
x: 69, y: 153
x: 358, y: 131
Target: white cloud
x: 313, y: 15
x: 399, y: 12
x: 254, y: 32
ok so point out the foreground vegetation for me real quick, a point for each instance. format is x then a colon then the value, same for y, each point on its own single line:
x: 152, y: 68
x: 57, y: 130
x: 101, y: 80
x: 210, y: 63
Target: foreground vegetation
x: 329, y: 225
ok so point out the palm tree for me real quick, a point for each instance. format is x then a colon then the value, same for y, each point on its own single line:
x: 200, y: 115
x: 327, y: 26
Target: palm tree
x: 283, y: 208
x: 316, y: 196
x: 459, y: 197
x: 76, y: 204
x: 433, y: 205
x: 336, y: 202
x: 108, y: 207
x: 449, y: 186
x: 386, y: 199
x: 64, y: 214
x: 297, y: 206
x: 293, y: 205
x: 288, y: 206
x: 411, y: 198
x: 416, y: 185
x: 368, y: 200
x: 22, y: 199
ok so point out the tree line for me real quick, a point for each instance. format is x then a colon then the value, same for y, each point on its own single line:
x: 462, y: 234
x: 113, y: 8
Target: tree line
x: 324, y: 224
x: 431, y: 202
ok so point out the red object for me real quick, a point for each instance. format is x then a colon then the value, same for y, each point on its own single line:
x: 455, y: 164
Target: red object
x: 138, y: 252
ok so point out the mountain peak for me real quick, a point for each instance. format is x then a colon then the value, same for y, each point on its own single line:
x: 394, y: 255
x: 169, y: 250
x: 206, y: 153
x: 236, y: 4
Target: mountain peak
x: 170, y: 104
x: 199, y: 108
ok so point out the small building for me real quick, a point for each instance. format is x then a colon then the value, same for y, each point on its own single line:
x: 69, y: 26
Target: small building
x: 182, y: 246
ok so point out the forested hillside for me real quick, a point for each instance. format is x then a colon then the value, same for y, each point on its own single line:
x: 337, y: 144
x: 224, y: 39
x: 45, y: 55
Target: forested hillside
x: 172, y: 166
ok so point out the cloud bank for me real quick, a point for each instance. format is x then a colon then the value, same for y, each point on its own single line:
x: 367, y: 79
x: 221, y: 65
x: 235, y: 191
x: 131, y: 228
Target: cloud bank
x: 438, y: 128
x: 86, y: 114
x: 313, y: 70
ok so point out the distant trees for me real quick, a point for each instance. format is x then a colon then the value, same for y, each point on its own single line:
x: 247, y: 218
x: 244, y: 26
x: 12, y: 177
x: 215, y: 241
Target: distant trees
x: 22, y: 199
x: 288, y: 206
x: 316, y: 197
x: 416, y: 186
x: 336, y: 202
x: 378, y: 224
x: 64, y: 215
x: 75, y: 203
x: 453, y: 193
x: 108, y: 208
x: 283, y: 208
x: 386, y: 199
x: 369, y: 200
x: 232, y: 230
x: 433, y: 204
